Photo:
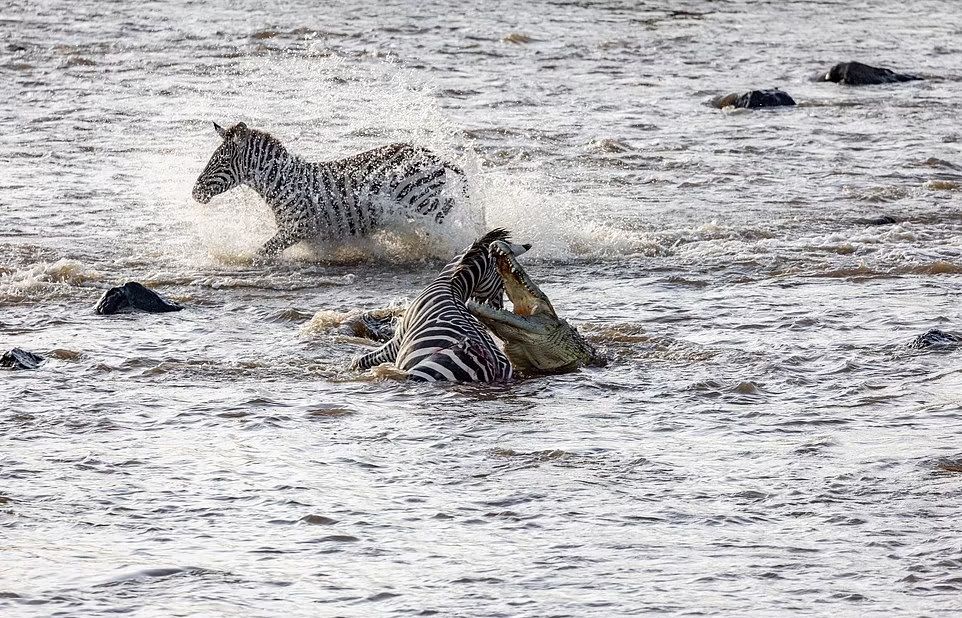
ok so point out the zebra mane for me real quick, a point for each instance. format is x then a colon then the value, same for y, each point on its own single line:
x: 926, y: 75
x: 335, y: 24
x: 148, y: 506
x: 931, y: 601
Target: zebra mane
x: 261, y: 136
x: 480, y: 246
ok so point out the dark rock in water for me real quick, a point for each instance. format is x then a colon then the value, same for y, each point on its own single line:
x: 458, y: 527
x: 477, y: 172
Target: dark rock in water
x: 883, y: 220
x: 135, y: 296
x: 20, y: 359
x: 754, y: 99
x: 935, y: 338
x: 858, y: 74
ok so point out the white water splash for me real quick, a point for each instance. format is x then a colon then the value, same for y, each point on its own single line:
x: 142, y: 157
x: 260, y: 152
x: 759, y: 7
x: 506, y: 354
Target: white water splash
x: 323, y: 108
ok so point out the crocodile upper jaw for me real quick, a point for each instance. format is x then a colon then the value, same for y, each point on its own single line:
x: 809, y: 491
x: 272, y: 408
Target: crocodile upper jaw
x: 526, y: 297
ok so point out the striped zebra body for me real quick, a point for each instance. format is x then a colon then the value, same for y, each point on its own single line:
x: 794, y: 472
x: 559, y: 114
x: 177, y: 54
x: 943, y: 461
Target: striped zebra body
x: 333, y: 199
x: 438, y: 340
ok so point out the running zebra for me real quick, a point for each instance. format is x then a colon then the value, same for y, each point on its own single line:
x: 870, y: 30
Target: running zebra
x: 332, y: 199
x: 438, y: 340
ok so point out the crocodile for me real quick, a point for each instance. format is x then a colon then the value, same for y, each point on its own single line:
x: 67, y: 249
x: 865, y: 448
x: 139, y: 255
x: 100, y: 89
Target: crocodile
x: 536, y: 340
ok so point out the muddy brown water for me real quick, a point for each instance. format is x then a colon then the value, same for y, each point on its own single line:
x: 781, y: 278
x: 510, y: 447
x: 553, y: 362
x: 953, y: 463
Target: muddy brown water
x: 763, y: 443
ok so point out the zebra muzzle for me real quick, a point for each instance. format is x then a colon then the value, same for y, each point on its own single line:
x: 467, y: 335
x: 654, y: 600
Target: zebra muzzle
x: 201, y: 195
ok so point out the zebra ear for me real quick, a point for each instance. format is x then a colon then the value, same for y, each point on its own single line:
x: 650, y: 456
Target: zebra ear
x: 240, y: 132
x: 220, y: 130
x: 517, y: 250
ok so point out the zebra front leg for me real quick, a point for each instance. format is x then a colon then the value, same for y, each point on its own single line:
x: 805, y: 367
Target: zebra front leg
x: 387, y: 353
x: 276, y: 245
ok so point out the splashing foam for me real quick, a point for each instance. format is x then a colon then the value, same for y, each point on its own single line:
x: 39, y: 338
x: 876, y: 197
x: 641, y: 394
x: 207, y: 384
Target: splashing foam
x: 43, y: 279
x: 552, y: 221
x: 325, y: 321
x: 328, y: 107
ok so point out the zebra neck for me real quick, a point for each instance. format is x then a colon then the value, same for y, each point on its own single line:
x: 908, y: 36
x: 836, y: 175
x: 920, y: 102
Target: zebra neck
x: 270, y: 169
x: 464, y: 279
x: 461, y: 288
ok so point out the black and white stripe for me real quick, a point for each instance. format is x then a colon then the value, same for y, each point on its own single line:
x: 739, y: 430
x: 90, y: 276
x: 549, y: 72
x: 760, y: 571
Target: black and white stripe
x: 332, y: 199
x: 438, y: 340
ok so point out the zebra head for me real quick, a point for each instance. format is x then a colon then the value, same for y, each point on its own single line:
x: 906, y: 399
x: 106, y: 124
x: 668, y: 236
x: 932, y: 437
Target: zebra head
x: 479, y: 265
x: 225, y: 169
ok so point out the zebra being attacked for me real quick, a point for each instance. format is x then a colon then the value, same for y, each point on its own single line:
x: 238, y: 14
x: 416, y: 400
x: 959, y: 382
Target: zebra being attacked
x: 331, y: 199
x: 438, y: 340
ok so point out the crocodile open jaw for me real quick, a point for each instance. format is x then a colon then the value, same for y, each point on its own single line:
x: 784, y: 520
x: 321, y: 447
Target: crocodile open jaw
x: 535, y: 339
x: 526, y: 297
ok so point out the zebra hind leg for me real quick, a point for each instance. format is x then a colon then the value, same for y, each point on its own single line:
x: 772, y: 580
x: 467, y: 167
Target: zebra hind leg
x: 455, y: 182
x: 387, y: 353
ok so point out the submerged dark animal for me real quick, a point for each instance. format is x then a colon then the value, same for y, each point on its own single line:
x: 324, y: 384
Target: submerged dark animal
x: 936, y: 338
x: 754, y: 99
x: 883, y: 220
x: 20, y: 359
x: 535, y: 339
x: 376, y: 325
x: 133, y: 296
x: 858, y: 74
x: 331, y: 199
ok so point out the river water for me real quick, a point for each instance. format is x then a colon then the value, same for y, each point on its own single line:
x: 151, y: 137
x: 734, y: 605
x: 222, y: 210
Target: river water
x: 764, y: 441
